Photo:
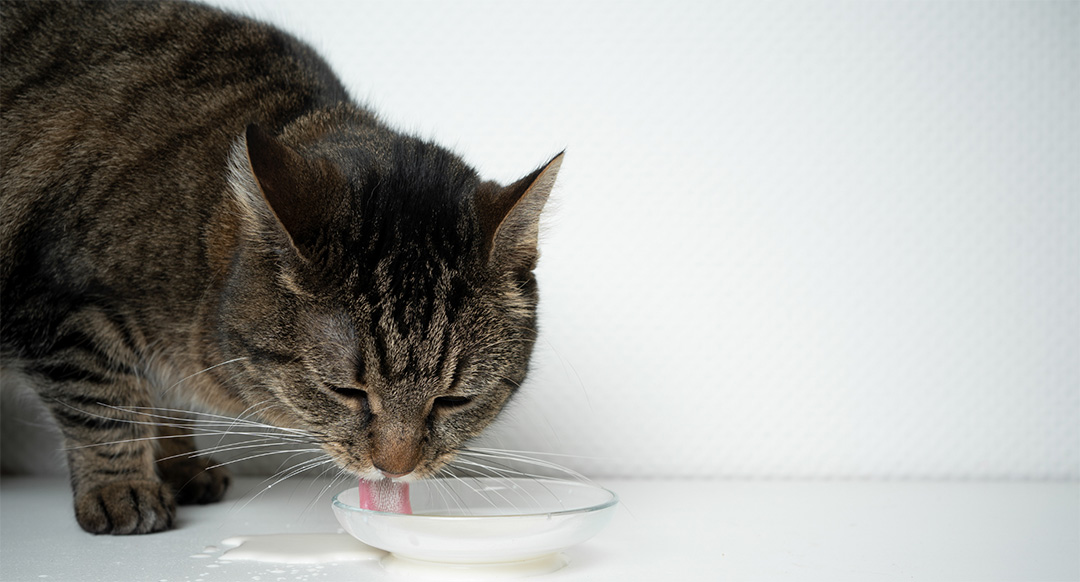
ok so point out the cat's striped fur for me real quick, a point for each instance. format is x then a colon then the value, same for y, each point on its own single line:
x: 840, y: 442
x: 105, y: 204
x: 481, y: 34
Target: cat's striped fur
x: 194, y: 210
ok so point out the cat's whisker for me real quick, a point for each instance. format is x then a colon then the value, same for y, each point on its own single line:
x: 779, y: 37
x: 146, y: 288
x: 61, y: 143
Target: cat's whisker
x: 505, y: 455
x: 475, y: 489
x: 501, y: 474
x: 228, y: 448
x: 178, y: 436
x: 563, y: 472
x: 466, y: 465
x: 341, y: 473
x: 438, y: 485
x: 248, y: 458
x: 487, y: 450
x: 240, y: 418
x: 301, y: 467
x: 174, y: 422
x: 505, y: 469
x: 223, y: 419
x: 256, y: 410
x: 123, y: 441
x: 203, y: 371
x: 196, y: 431
x: 566, y: 363
x: 284, y: 467
x: 289, y: 472
x: 442, y: 486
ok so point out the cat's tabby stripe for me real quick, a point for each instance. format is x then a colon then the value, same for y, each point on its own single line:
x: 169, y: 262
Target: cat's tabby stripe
x: 126, y: 471
x: 66, y: 371
x: 113, y: 453
x: 86, y: 400
x: 75, y: 339
x: 87, y: 420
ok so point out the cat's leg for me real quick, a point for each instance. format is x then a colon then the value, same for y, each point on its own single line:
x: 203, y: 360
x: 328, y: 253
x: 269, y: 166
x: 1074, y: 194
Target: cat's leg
x: 110, y: 449
x: 193, y: 479
x: 87, y: 381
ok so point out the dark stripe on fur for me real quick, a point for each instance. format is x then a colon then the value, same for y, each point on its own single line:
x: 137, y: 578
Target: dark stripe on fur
x: 120, y: 324
x: 83, y: 400
x: 114, y: 452
x: 67, y: 372
x: 117, y: 472
x: 78, y: 340
x: 81, y: 418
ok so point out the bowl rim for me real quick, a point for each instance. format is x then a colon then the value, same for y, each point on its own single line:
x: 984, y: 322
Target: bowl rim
x: 613, y: 499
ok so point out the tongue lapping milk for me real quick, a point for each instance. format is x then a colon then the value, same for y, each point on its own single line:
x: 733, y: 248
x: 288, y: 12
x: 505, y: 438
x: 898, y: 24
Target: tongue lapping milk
x: 386, y: 495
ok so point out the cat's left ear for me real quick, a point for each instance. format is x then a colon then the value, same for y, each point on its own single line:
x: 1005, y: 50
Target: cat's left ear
x: 510, y: 216
x: 279, y: 180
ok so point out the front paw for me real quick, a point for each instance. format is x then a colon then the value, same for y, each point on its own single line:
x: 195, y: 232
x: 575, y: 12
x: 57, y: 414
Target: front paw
x: 194, y: 480
x: 126, y: 507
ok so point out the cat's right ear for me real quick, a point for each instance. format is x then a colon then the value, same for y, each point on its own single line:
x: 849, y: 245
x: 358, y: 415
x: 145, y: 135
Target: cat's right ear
x: 278, y: 187
x: 510, y: 216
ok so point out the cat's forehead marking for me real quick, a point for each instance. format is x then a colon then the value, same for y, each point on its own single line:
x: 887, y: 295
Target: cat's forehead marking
x: 411, y: 337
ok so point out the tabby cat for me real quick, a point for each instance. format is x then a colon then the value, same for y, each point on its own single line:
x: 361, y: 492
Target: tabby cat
x: 193, y: 209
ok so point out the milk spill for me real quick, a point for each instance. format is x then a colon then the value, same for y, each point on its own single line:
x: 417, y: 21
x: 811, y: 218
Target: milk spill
x: 299, y: 549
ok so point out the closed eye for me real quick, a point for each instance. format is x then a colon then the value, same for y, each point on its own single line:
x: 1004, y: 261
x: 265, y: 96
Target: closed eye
x: 451, y: 402
x: 351, y: 393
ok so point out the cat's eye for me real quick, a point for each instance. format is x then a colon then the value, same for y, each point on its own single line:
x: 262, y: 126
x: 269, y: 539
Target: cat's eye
x: 351, y: 393
x: 451, y: 402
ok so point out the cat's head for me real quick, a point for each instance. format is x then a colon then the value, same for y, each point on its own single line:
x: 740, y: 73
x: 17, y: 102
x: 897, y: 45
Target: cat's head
x: 382, y: 294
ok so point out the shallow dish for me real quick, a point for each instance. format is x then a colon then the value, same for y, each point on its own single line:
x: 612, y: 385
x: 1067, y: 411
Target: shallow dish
x: 491, y: 523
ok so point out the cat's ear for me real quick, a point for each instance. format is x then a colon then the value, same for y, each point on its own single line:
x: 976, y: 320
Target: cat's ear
x: 281, y: 181
x: 510, y: 216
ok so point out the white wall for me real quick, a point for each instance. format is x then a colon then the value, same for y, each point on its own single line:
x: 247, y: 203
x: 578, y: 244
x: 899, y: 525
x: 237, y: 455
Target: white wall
x: 791, y: 240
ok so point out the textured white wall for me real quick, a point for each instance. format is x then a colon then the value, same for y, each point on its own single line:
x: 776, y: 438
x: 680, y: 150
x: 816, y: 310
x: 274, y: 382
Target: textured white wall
x: 791, y: 240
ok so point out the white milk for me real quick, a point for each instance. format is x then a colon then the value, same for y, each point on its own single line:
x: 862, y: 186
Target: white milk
x: 299, y: 549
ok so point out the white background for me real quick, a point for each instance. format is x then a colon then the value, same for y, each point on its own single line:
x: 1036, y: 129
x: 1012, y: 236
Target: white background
x: 821, y: 240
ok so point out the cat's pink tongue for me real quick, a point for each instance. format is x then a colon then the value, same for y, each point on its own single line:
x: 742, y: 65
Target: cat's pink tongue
x: 386, y: 495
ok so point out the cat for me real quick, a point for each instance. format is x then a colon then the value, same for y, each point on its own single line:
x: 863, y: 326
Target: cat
x: 193, y: 209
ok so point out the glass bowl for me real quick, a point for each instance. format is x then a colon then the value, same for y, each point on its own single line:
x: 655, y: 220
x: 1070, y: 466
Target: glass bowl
x: 467, y: 525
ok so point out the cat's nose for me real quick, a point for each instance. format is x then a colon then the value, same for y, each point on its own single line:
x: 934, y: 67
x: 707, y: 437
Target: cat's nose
x: 396, y: 452
x: 394, y: 467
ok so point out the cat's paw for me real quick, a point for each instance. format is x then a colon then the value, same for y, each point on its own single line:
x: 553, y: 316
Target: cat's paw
x: 126, y: 507
x: 194, y: 481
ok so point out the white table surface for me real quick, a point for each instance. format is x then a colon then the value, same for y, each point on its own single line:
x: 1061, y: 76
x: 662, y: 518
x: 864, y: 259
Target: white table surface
x: 664, y: 530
